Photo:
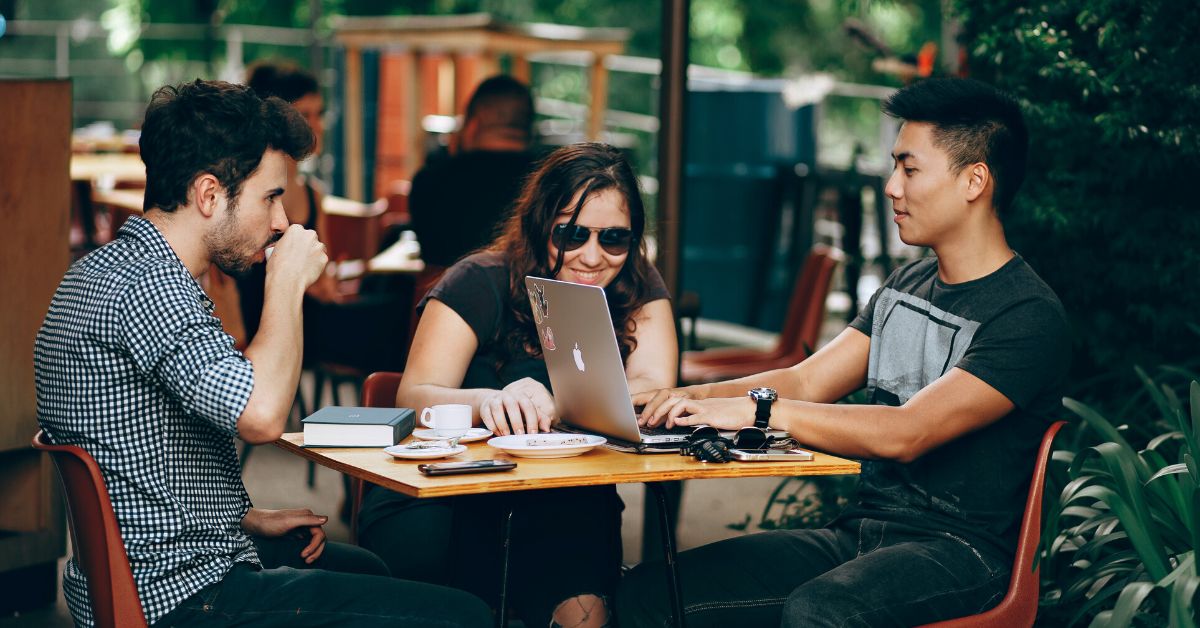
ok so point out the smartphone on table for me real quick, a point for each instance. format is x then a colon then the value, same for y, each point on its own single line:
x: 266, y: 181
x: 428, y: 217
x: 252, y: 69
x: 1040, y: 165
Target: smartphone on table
x: 472, y: 466
x: 770, y: 455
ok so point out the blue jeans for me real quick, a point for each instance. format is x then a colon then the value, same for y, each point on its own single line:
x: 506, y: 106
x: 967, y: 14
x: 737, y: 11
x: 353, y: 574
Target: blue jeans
x: 288, y: 593
x: 857, y: 572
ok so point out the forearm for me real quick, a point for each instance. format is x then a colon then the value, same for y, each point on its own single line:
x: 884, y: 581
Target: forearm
x: 855, y: 431
x: 787, y: 382
x: 276, y: 353
x: 645, y: 382
x: 421, y: 396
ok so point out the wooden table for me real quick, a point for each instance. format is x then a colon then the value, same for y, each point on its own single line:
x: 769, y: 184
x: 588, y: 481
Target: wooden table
x: 397, y: 259
x: 112, y: 167
x: 597, y: 467
x: 100, y: 172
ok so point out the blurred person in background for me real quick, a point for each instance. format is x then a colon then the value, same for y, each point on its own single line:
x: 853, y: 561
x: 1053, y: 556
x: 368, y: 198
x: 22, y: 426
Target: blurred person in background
x: 456, y: 203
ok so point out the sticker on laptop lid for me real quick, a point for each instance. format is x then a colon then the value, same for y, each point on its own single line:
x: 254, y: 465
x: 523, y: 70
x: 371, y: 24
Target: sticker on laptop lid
x: 548, y: 338
x: 537, y: 300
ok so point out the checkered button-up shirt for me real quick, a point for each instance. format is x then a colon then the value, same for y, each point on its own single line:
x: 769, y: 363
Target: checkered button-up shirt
x: 132, y: 366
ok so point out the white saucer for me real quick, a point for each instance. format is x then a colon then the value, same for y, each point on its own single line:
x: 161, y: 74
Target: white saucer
x: 546, y: 445
x: 472, y: 435
x: 400, y: 451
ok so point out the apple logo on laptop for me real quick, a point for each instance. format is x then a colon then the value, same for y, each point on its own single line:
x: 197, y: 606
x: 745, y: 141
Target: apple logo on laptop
x: 578, y: 358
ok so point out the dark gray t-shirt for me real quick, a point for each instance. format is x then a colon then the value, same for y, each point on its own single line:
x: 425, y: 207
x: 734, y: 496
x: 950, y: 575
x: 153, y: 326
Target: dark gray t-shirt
x: 476, y: 288
x: 1009, y: 330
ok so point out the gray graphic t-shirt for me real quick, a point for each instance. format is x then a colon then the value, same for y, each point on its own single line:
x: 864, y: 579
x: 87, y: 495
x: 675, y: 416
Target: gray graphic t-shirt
x: 1009, y: 330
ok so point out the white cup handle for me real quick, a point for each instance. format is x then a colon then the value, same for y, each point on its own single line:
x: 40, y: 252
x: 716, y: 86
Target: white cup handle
x: 426, y: 419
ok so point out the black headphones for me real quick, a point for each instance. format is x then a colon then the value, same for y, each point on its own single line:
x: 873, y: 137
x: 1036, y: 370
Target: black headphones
x: 707, y: 445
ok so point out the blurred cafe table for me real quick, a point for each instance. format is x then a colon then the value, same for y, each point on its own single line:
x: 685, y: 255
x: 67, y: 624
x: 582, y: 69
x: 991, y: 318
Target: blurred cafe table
x: 91, y: 172
x: 596, y: 467
x: 107, y: 169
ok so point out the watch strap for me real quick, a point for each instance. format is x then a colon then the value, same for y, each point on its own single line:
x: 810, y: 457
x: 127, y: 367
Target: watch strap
x: 762, y: 413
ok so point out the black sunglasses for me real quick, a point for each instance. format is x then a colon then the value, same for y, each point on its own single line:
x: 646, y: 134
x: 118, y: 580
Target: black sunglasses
x: 614, y: 240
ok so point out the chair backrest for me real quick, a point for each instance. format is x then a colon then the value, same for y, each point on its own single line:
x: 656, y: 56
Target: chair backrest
x: 350, y: 237
x: 379, y: 389
x: 96, y: 537
x: 1019, y: 606
x: 397, y: 203
x: 806, y: 309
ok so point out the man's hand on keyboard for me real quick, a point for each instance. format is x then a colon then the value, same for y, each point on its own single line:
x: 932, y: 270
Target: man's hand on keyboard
x: 657, y: 403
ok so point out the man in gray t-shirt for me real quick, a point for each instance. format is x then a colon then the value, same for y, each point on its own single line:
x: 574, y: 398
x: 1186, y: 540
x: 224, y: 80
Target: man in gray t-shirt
x: 963, y: 356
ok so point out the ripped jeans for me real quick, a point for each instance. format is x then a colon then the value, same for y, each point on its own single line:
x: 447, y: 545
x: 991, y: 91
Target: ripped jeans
x: 857, y: 572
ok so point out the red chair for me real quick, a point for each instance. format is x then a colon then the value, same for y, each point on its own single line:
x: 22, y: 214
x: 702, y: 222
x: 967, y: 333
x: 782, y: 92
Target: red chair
x: 378, y: 391
x: 802, y: 329
x: 1019, y: 606
x: 397, y: 204
x: 95, y: 537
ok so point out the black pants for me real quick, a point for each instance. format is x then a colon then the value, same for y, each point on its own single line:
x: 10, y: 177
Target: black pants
x: 857, y: 572
x: 346, y: 586
x: 565, y: 542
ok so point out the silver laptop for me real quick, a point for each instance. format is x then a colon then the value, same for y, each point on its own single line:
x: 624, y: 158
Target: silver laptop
x: 581, y: 353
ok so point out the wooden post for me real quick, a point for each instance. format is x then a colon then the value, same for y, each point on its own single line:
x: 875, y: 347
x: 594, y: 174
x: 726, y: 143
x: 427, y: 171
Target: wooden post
x: 35, y: 152
x: 414, y: 155
x: 521, y: 68
x: 467, y: 74
x: 599, y: 89
x: 353, y: 124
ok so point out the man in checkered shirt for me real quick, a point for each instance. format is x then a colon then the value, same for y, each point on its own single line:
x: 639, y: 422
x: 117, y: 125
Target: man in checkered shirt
x: 132, y: 366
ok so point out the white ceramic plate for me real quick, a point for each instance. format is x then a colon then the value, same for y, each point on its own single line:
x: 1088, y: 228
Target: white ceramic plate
x: 401, y: 451
x: 546, y: 445
x: 472, y: 435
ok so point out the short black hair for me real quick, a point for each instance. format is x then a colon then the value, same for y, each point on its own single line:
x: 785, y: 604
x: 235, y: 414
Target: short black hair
x: 213, y: 127
x: 503, y: 102
x: 282, y: 79
x: 974, y: 122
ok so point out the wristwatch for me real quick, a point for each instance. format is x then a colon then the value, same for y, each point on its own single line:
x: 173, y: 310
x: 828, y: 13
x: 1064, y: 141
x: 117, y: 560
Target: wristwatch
x: 764, y: 397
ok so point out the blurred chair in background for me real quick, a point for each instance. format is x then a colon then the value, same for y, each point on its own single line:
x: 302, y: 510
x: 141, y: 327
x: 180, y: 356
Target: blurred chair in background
x: 801, y: 330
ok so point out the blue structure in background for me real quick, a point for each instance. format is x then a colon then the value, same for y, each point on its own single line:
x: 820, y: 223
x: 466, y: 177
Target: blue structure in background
x: 747, y: 159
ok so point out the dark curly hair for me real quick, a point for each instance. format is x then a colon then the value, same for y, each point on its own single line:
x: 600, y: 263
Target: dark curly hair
x: 217, y: 128
x: 547, y: 194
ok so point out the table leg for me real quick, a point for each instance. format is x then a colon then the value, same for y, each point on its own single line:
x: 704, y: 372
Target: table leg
x: 652, y: 512
x: 668, y: 542
x: 502, y: 611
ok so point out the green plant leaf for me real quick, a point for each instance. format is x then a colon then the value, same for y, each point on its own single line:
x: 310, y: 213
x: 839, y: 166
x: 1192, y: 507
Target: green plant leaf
x: 1127, y: 502
x: 1128, y: 602
x: 1187, y: 565
x: 1170, y: 470
x: 1183, y: 598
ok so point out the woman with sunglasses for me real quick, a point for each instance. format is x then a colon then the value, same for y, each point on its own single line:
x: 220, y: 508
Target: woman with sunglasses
x: 579, y: 218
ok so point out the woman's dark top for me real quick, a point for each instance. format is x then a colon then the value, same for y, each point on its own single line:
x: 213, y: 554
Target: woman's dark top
x: 476, y: 288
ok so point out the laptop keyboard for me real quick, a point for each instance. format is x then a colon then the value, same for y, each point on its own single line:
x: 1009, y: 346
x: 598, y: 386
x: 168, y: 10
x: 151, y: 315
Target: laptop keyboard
x: 678, y: 430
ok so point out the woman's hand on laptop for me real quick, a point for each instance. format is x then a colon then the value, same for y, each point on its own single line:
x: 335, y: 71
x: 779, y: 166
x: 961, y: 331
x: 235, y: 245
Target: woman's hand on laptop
x: 522, y: 407
x: 657, y: 403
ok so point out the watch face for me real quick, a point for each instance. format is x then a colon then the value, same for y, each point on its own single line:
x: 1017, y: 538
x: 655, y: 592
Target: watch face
x: 763, y: 394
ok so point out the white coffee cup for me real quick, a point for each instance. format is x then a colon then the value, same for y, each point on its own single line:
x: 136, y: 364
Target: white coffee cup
x: 448, y: 420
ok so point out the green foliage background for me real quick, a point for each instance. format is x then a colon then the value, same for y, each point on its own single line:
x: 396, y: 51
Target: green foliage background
x: 1108, y: 214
